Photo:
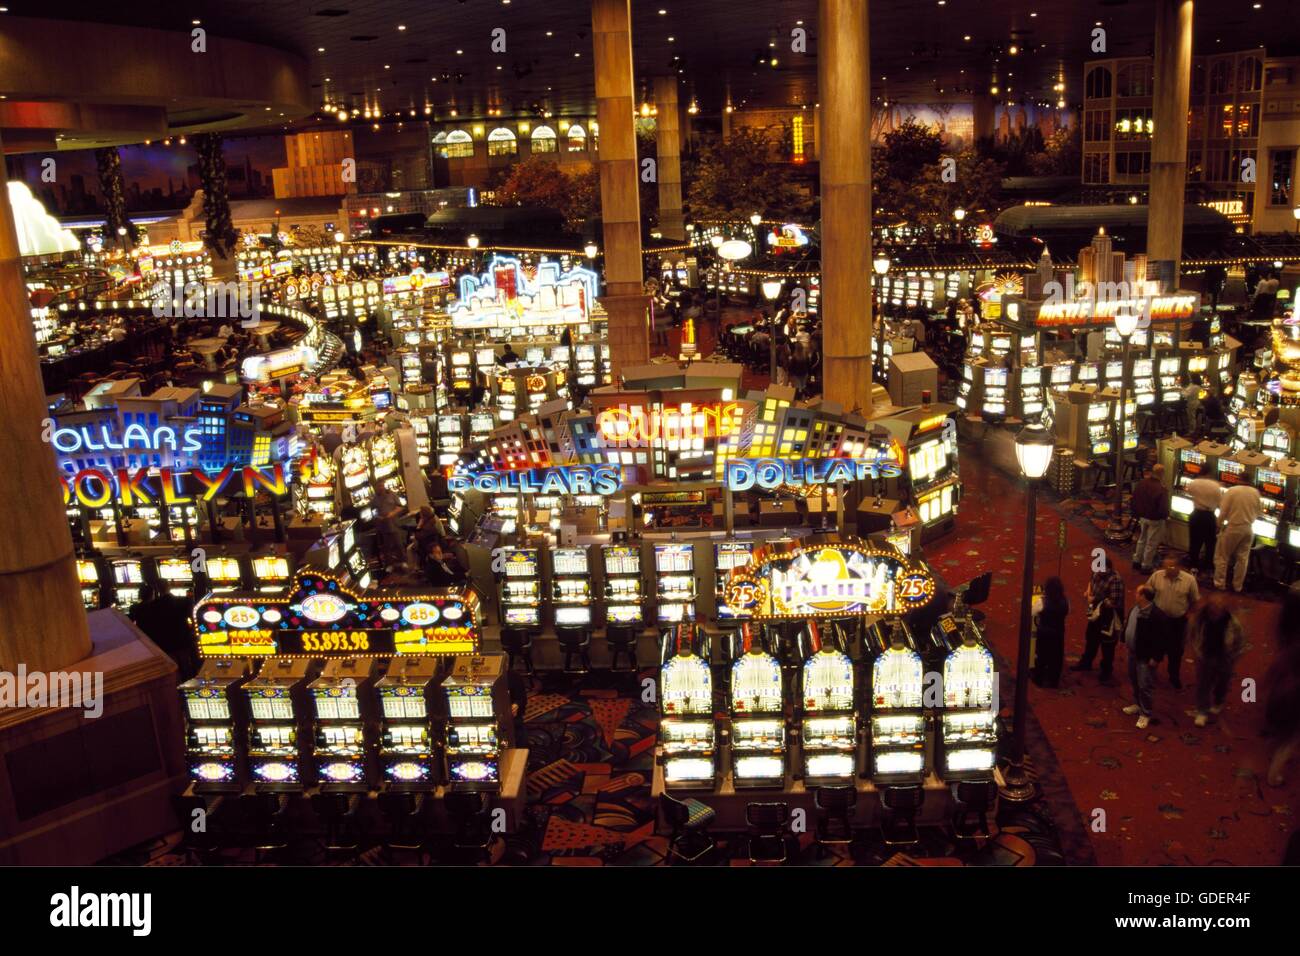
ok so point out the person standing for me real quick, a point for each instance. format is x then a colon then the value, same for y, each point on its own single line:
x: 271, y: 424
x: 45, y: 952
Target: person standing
x: 1238, y: 509
x: 388, y: 509
x: 1202, y: 525
x: 1105, y: 597
x: 1191, y: 393
x: 1217, y: 641
x: 1151, y: 507
x: 1176, y: 594
x: 1143, y: 637
x: 1051, y: 615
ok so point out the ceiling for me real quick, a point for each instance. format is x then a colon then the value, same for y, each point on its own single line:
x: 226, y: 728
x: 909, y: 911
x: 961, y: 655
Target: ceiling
x: 922, y: 50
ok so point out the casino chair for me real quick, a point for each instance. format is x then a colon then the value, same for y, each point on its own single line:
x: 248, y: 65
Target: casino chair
x: 470, y: 814
x: 688, y: 820
x: 972, y: 801
x: 575, y: 642
x: 768, y: 837
x: 203, y: 845
x: 621, y: 640
x: 518, y: 643
x: 264, y: 820
x: 339, y: 813
x: 898, y: 809
x: 835, y: 806
x: 976, y: 591
x: 408, y: 824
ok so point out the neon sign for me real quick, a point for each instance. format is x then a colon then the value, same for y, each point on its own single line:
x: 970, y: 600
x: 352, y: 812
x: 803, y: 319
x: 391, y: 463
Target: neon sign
x: 505, y: 297
x: 69, y: 441
x: 768, y: 473
x: 637, y: 424
x: 831, y: 578
x: 94, y: 488
x: 788, y: 236
x: 565, y: 480
x: 1159, y: 308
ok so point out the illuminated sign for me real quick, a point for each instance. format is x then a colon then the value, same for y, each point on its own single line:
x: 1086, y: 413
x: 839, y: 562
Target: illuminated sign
x: 745, y: 473
x: 1159, y: 308
x: 637, y: 424
x: 568, y: 480
x: 417, y: 280
x: 788, y: 236
x: 94, y: 488
x: 69, y: 441
x: 831, y: 578
x: 506, y: 297
x: 319, y: 616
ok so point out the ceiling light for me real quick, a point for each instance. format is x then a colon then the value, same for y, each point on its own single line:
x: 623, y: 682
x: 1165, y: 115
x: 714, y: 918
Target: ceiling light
x: 966, y: 38
x: 663, y: 12
x: 320, y: 49
x: 401, y: 26
x: 1013, y: 49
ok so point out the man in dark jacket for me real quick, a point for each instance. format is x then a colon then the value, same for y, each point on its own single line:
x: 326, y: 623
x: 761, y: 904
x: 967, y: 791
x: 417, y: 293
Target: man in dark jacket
x: 1151, y: 508
x: 1144, y: 636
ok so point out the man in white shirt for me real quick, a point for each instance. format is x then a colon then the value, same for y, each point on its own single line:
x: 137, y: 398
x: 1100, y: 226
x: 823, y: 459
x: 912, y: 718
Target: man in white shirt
x: 1175, y: 594
x: 1238, y: 509
x: 1191, y: 393
x: 1202, y: 525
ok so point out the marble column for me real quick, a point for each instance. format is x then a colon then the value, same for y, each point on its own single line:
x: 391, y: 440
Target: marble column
x: 1173, y: 76
x: 669, y: 163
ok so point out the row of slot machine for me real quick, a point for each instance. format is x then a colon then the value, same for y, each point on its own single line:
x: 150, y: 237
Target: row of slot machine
x: 825, y: 720
x: 462, y: 368
x: 123, y: 582
x: 1274, y: 475
x: 556, y: 585
x: 1252, y: 416
x: 177, y: 524
x: 991, y: 390
x: 289, y: 724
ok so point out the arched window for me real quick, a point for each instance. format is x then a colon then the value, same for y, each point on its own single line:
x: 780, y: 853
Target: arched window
x: 543, y: 140
x: 1221, y: 77
x: 1250, y: 74
x: 1136, y: 79
x: 460, y: 145
x: 502, y: 142
x: 1097, y: 84
x: 577, y: 139
x: 440, y: 144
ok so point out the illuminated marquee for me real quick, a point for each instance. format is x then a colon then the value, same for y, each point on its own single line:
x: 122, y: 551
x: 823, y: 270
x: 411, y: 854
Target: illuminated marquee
x: 1160, y: 308
x: 505, y: 297
x: 95, y: 488
x: 565, y: 480
x: 639, y: 424
x: 86, y: 438
x: 319, y: 616
x: 829, y: 578
x: 788, y: 236
x: 768, y: 473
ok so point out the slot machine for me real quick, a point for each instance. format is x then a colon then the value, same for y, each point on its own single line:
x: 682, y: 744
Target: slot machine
x: 479, y: 722
x: 339, y: 739
x: 995, y: 394
x: 1239, y: 468
x: 1278, y: 441
x: 829, y: 732
x: 675, y: 582
x: 1144, y: 384
x: 385, y: 466
x: 687, y: 736
x: 969, y: 732
x: 480, y: 426
x: 1100, y: 437
x: 176, y: 577
x: 276, y: 706
x: 1113, y: 374
x: 1062, y: 375
x: 585, y: 364
x: 179, y: 517
x: 90, y: 577
x: 1032, y: 394
x: 354, y: 475
x: 1248, y: 430
x: 571, y: 587
x: 406, y: 748
x: 623, y: 588
x: 896, y: 727
x: 128, y: 583
x: 317, y: 488
x: 224, y: 573
x: 521, y: 589
x: 1089, y: 373
x: 1171, y: 392
x: 270, y: 572
x: 1271, y: 485
x: 757, y: 708
x: 451, y: 439
x: 966, y: 398
x: 215, y: 724
x: 727, y: 557
x: 423, y: 440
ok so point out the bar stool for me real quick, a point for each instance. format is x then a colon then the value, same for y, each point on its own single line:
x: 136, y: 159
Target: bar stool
x: 199, y: 844
x: 898, y: 809
x: 621, y: 639
x: 575, y: 642
x: 768, y: 838
x: 408, y: 823
x: 972, y: 801
x: 835, y: 806
x: 689, y: 839
x: 264, y: 820
x: 338, y: 813
x: 518, y: 644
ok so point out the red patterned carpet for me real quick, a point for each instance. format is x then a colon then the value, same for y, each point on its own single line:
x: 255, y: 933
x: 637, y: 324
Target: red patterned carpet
x: 1172, y: 794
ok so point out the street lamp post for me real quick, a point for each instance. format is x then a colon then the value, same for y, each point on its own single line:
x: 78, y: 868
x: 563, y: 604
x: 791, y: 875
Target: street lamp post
x: 881, y: 266
x: 472, y: 242
x: 1296, y: 212
x: 959, y: 214
x: 1034, y: 449
x: 771, y: 292
x: 1125, y: 325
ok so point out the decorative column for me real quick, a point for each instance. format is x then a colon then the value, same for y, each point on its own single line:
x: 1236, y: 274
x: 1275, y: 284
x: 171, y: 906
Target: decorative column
x: 42, y: 620
x: 625, y: 300
x: 843, y: 82
x: 1173, y: 77
x: 668, y: 144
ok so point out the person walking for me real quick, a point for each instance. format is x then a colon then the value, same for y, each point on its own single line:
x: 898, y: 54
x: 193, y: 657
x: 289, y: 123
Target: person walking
x: 1105, y: 598
x: 1202, y: 525
x: 1144, y: 638
x: 1150, y: 504
x: 1050, y: 620
x: 1176, y: 594
x: 1238, y: 508
x: 1216, y: 640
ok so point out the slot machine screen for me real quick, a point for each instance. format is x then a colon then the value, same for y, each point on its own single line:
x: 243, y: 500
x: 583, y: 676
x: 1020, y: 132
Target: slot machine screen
x: 223, y: 570
x: 1031, y: 375
x: 1180, y: 505
x: 87, y: 573
x: 570, y: 561
x: 127, y: 572
x: 928, y: 459
x: 334, y: 556
x: 572, y: 616
x: 1062, y: 374
x: 349, y: 538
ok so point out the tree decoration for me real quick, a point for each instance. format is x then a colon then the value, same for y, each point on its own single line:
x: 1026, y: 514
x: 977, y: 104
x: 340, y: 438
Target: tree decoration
x: 109, y: 166
x: 220, y: 236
